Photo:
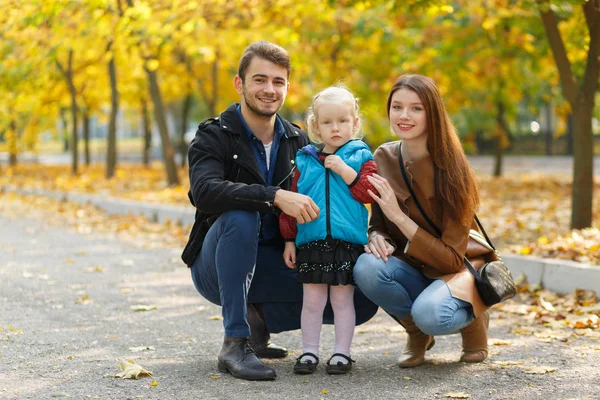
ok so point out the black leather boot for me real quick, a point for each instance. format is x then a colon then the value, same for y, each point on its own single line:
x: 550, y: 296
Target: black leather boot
x: 237, y: 357
x: 260, y: 337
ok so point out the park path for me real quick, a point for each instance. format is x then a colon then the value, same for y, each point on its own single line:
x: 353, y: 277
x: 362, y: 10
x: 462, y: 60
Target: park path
x: 66, y: 320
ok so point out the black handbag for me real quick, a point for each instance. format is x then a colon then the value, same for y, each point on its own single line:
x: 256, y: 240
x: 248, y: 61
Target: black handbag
x: 493, y: 280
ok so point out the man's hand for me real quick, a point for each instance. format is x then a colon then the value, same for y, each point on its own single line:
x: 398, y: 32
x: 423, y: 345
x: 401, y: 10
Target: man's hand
x: 296, y: 205
x: 289, y: 255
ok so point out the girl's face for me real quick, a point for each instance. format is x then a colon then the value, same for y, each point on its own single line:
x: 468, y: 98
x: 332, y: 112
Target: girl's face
x: 335, y: 124
x: 407, y: 115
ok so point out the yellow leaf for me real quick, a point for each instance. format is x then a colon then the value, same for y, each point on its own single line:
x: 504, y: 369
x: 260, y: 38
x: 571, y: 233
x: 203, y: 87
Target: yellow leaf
x: 457, y: 395
x: 500, y: 342
x: 538, y: 370
x: 214, y: 377
x: 324, y: 391
x: 543, y: 240
x: 143, y: 307
x: 525, y: 251
x: 407, y: 378
x: 153, y: 383
x: 152, y: 64
x: 131, y: 370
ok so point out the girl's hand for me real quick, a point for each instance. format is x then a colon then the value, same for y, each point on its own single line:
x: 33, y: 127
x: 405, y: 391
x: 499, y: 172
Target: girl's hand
x: 289, y: 255
x: 387, y: 198
x: 337, y: 165
x: 379, y: 247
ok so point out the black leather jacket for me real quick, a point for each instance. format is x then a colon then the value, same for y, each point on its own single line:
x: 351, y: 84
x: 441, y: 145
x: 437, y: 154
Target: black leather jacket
x: 225, y: 176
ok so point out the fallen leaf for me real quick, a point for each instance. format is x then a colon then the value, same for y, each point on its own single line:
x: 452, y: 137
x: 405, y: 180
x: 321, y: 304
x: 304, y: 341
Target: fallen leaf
x: 131, y: 370
x: 538, y: 370
x: 457, y: 395
x: 153, y: 383
x: 141, y: 348
x: 499, y: 342
x: 324, y: 391
x: 143, y: 307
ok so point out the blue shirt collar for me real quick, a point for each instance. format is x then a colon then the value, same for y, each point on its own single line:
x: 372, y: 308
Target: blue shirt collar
x: 279, y: 128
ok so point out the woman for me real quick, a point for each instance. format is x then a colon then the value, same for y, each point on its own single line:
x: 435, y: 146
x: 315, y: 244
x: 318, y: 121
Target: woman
x: 414, y: 274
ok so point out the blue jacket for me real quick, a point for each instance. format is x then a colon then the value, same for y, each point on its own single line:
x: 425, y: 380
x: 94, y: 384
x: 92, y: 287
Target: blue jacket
x: 341, y: 216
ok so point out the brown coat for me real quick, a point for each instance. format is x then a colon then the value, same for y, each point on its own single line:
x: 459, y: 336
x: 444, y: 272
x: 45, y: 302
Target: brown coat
x: 438, y: 258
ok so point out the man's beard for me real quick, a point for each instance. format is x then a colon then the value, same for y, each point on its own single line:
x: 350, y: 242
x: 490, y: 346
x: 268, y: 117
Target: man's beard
x: 253, y: 107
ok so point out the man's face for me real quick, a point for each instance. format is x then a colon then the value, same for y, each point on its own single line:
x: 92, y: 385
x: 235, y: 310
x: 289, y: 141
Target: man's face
x: 264, y: 88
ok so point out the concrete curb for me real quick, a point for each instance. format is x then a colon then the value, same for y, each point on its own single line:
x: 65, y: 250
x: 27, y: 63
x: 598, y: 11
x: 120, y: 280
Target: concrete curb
x: 561, y: 276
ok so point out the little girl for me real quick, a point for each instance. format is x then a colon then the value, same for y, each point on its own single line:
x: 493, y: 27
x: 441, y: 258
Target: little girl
x: 335, y: 176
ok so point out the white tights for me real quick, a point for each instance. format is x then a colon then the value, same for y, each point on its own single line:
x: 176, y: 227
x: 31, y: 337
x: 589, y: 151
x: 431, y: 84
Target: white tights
x: 344, y: 317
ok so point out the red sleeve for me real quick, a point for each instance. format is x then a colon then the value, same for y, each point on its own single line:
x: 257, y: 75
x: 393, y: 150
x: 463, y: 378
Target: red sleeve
x: 287, y: 224
x: 361, y: 184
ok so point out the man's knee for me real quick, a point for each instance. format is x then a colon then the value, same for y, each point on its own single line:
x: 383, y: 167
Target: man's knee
x: 244, y: 225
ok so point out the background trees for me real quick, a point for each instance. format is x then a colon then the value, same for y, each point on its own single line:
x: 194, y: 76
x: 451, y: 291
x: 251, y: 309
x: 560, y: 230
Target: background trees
x: 129, y: 65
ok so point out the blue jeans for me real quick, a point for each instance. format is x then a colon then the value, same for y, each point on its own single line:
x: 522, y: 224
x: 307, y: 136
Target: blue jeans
x: 234, y: 269
x: 402, y: 291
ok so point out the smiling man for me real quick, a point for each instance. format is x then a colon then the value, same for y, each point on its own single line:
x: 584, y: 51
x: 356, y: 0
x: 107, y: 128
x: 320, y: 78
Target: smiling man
x: 241, y: 166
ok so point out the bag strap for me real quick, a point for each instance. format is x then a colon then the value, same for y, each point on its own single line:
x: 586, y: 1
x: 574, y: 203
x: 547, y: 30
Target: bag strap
x: 430, y: 222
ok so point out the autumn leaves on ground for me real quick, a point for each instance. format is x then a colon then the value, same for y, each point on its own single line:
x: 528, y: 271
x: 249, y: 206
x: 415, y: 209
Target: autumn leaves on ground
x: 523, y: 214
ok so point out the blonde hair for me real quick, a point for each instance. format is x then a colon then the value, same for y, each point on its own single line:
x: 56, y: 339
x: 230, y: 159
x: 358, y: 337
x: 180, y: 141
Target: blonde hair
x: 337, y: 94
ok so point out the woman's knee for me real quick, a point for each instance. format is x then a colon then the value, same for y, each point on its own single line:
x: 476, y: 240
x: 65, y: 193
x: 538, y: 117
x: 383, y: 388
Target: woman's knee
x: 367, y: 271
x: 432, y: 316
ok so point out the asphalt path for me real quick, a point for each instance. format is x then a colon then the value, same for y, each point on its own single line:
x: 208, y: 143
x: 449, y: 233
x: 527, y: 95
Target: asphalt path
x: 66, y: 319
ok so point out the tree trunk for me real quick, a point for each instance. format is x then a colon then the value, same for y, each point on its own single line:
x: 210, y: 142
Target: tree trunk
x: 185, y: 112
x: 583, y: 167
x: 147, y: 133
x: 65, y: 126
x: 580, y: 93
x: 86, y: 137
x: 500, y: 138
x: 111, y: 149
x: 570, y: 134
x: 161, y: 121
x: 68, y: 74
x: 13, y: 143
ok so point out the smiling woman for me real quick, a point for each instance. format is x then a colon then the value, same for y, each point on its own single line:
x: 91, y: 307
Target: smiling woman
x: 416, y: 275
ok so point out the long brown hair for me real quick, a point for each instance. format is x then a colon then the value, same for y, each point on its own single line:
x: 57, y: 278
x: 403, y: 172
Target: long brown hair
x: 455, y: 183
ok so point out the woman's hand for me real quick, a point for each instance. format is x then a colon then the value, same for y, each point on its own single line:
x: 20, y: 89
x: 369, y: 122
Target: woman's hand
x: 289, y: 255
x: 379, y: 247
x: 387, y: 198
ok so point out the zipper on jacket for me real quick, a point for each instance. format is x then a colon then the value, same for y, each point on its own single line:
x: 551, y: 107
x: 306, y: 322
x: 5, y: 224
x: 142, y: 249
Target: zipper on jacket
x: 327, y: 203
x: 288, y: 175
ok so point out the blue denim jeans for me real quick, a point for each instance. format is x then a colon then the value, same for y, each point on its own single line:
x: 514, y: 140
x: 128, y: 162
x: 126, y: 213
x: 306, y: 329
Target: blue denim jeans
x: 234, y: 269
x: 402, y: 290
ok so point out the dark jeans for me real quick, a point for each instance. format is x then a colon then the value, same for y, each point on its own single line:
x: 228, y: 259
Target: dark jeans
x: 233, y: 269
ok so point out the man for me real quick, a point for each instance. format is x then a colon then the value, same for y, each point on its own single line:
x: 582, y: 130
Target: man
x: 241, y: 166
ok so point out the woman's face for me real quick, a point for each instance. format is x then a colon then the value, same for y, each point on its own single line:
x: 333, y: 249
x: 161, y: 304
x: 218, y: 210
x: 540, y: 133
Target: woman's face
x: 407, y: 115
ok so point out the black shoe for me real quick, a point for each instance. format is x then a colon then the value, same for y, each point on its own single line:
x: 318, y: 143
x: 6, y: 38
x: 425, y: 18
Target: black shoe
x: 270, y: 350
x: 260, y: 337
x: 307, y: 367
x: 339, y: 367
x: 238, y: 358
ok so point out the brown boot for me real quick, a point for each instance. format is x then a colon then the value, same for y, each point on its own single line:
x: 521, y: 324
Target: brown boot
x: 475, y: 339
x: 416, y: 345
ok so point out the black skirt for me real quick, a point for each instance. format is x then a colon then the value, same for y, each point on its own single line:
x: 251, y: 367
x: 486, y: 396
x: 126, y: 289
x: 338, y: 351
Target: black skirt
x: 327, y: 261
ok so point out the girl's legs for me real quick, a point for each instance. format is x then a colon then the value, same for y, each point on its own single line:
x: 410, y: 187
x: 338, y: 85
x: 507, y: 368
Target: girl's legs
x: 344, y: 318
x: 314, y: 301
